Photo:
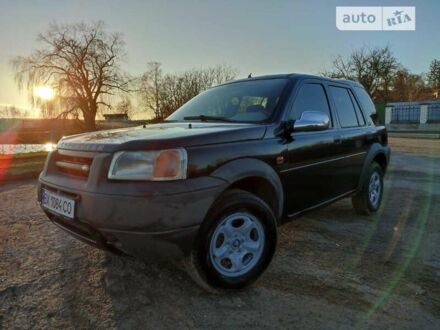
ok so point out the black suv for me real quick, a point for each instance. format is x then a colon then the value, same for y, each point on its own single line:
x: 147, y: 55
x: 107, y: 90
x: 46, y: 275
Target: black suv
x: 215, y: 179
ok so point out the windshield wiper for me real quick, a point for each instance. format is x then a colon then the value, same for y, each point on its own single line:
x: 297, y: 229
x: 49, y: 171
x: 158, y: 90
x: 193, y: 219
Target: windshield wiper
x: 206, y: 118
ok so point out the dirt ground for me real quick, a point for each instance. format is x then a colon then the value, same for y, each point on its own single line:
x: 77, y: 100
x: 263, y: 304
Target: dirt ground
x: 418, y: 146
x: 333, y: 269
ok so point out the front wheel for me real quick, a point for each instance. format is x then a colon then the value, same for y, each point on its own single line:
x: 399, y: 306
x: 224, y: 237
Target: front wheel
x: 368, y: 200
x: 236, y: 242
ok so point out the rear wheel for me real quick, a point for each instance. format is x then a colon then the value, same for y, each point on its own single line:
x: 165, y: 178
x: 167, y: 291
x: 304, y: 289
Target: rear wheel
x: 368, y: 200
x: 236, y: 242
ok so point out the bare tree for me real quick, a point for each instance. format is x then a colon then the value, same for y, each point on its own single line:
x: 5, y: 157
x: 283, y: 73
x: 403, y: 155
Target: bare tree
x: 434, y: 74
x: 407, y: 86
x: 165, y: 93
x: 11, y: 111
x: 150, y: 88
x: 373, y: 68
x: 80, y: 62
x: 124, y: 106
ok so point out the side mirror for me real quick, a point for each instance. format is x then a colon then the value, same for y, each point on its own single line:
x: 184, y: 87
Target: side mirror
x: 312, y: 121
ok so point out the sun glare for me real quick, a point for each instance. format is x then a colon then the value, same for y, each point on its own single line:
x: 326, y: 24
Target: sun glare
x: 45, y: 93
x: 50, y: 147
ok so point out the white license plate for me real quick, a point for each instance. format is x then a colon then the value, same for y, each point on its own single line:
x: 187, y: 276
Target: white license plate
x: 58, y: 204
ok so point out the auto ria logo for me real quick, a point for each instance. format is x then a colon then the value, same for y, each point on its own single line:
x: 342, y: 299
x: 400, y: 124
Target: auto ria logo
x: 376, y: 18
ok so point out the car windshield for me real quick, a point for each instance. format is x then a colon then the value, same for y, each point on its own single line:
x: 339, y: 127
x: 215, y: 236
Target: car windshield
x: 247, y: 101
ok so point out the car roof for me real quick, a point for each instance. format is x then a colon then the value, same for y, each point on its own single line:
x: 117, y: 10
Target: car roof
x: 296, y: 77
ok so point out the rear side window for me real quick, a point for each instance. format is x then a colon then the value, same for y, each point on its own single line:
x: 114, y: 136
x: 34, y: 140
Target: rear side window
x: 359, y: 114
x: 366, y: 103
x: 344, y: 106
x: 311, y: 97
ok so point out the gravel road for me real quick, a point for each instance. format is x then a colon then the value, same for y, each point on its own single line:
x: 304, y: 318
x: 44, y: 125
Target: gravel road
x: 333, y: 269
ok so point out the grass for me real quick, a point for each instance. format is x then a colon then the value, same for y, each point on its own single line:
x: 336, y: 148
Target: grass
x: 21, y: 166
x: 24, y: 156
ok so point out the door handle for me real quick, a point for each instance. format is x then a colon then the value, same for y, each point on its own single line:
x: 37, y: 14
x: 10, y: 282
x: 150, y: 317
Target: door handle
x: 337, y: 139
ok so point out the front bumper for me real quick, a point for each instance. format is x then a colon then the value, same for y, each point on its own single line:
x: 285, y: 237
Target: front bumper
x: 144, y: 224
x: 146, y: 245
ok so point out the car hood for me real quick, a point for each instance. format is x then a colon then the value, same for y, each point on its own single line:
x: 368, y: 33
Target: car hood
x: 160, y: 136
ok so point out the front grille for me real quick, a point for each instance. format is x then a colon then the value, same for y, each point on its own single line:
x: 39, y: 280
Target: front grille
x: 73, y: 165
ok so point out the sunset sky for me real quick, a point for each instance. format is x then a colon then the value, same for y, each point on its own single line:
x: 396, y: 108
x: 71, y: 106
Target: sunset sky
x: 254, y: 36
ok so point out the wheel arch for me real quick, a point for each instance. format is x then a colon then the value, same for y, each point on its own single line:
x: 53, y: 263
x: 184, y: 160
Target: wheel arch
x: 257, y: 177
x: 381, y: 159
x: 377, y: 153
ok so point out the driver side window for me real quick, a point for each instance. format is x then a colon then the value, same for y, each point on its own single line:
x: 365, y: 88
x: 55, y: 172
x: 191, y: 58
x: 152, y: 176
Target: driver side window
x: 311, y: 97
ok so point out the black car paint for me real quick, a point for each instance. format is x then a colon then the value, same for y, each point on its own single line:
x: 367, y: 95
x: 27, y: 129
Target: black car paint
x: 162, y: 136
x: 302, y: 171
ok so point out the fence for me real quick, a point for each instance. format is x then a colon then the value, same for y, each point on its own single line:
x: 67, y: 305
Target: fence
x: 406, y: 114
x: 434, y: 113
x: 412, y: 112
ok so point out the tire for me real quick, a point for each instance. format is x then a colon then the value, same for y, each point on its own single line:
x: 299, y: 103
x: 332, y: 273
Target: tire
x: 364, y: 202
x: 235, y: 244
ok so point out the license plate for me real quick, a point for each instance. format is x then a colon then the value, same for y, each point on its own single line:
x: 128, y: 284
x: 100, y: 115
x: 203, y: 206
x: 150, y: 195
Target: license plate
x: 58, y: 204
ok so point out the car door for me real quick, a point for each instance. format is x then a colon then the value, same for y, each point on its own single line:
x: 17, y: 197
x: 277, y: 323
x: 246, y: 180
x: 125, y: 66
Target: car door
x: 309, y: 174
x: 353, y: 135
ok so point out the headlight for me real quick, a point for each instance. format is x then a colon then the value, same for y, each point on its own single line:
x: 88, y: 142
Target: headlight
x: 159, y: 165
